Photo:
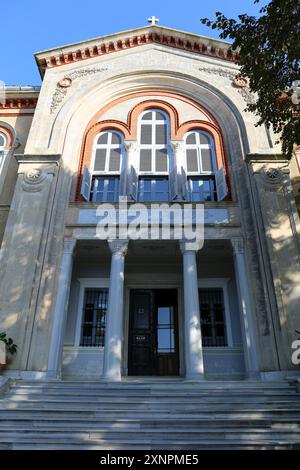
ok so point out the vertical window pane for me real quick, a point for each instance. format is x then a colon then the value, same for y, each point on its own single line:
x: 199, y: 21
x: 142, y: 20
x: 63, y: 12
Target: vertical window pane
x: 2, y: 141
x: 206, y: 160
x: 105, y: 189
x: 213, y: 325
x: 115, y: 139
x: 145, y: 160
x: 161, y: 134
x: 146, y: 134
x: 100, y: 160
x: 204, y: 139
x: 161, y: 160
x: 159, y: 116
x: 191, y: 138
x: 115, y: 159
x: 147, y: 116
x: 94, y: 315
x: 103, y: 139
x: 192, y: 160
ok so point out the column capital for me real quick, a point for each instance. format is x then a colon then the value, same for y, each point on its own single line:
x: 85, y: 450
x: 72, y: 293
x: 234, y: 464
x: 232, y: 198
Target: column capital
x: 187, y: 246
x: 177, y: 145
x: 237, y: 245
x: 69, y: 245
x: 118, y: 246
x: 131, y: 145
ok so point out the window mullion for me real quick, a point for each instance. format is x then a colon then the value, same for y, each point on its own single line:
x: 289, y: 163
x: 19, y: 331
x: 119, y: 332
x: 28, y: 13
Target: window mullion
x: 153, y: 137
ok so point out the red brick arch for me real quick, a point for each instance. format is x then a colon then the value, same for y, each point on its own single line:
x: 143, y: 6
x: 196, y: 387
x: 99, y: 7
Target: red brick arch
x: 129, y: 129
x: 8, y: 134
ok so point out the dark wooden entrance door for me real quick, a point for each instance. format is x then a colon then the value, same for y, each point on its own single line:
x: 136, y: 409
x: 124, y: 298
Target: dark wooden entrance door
x: 153, y: 332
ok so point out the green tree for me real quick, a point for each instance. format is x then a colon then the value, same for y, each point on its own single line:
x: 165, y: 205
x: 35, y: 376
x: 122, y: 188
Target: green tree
x: 269, y: 55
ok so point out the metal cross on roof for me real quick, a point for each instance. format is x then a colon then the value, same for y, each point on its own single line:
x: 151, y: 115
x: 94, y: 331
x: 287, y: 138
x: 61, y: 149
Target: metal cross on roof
x: 153, y: 20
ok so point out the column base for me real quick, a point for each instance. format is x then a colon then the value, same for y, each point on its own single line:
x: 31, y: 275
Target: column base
x: 194, y: 378
x: 112, y: 378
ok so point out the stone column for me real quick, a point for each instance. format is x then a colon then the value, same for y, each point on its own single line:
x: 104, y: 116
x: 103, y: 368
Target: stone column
x: 250, y: 344
x: 115, y: 312
x: 194, y: 369
x: 61, y: 309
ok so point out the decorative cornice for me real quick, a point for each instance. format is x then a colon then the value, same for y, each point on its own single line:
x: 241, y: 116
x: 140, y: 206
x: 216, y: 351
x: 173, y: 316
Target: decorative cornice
x: 189, y: 45
x: 18, y: 103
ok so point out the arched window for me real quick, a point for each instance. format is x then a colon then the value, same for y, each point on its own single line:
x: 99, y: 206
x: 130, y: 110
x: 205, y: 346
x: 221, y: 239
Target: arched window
x: 200, y: 166
x: 155, y: 157
x: 3, y: 144
x: 102, y: 181
x: 200, y: 153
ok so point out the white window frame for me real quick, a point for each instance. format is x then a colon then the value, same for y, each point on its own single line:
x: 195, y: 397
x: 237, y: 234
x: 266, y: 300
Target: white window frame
x: 189, y: 186
x: 198, y: 147
x: 3, y: 150
x: 153, y: 146
x: 220, y: 283
x: 105, y: 190
x: 87, y: 283
x: 108, y: 146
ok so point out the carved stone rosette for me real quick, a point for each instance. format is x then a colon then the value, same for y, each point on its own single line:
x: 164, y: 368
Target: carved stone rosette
x: 272, y: 179
x: 33, y: 179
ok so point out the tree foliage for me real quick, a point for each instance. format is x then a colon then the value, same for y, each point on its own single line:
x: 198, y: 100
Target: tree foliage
x: 269, y: 51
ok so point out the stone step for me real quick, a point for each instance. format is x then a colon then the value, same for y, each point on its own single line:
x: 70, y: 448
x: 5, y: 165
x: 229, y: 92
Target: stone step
x: 187, y: 406
x: 199, y: 387
x: 178, y: 423
x: 141, y: 414
x: 155, y: 393
x: 150, y: 414
x: 140, y: 444
x: 150, y: 433
x: 95, y: 401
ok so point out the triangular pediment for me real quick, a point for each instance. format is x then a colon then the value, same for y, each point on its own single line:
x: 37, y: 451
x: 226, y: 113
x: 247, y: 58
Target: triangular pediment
x: 125, y: 40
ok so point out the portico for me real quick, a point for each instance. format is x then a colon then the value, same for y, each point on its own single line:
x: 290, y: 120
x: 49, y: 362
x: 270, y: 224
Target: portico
x: 110, y: 272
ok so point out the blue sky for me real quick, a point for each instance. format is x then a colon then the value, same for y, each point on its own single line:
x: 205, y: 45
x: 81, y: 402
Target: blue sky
x: 34, y: 25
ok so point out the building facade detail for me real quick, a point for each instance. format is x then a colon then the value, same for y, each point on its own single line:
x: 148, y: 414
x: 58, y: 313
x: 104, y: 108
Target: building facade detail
x: 152, y: 130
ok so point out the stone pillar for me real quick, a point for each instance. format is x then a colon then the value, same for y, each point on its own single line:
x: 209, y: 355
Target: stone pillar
x: 61, y: 309
x: 115, y: 313
x: 194, y: 369
x: 22, y: 253
x: 280, y: 231
x: 249, y: 335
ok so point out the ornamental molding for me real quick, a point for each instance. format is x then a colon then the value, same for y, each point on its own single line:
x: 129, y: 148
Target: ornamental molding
x: 170, y: 40
x: 67, y: 81
x: 241, y: 84
x: 272, y: 179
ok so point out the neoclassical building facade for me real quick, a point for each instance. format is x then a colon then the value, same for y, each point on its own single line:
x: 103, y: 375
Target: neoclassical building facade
x: 152, y: 115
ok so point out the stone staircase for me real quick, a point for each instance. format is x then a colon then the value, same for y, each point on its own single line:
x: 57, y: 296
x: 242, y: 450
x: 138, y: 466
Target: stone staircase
x: 149, y: 415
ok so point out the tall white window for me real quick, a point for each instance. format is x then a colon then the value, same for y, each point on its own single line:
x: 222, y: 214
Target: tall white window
x: 200, y: 166
x: 102, y: 182
x: 154, y: 156
x: 3, y: 144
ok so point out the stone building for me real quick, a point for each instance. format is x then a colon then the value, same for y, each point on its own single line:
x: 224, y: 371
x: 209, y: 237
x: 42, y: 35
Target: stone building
x: 151, y: 114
